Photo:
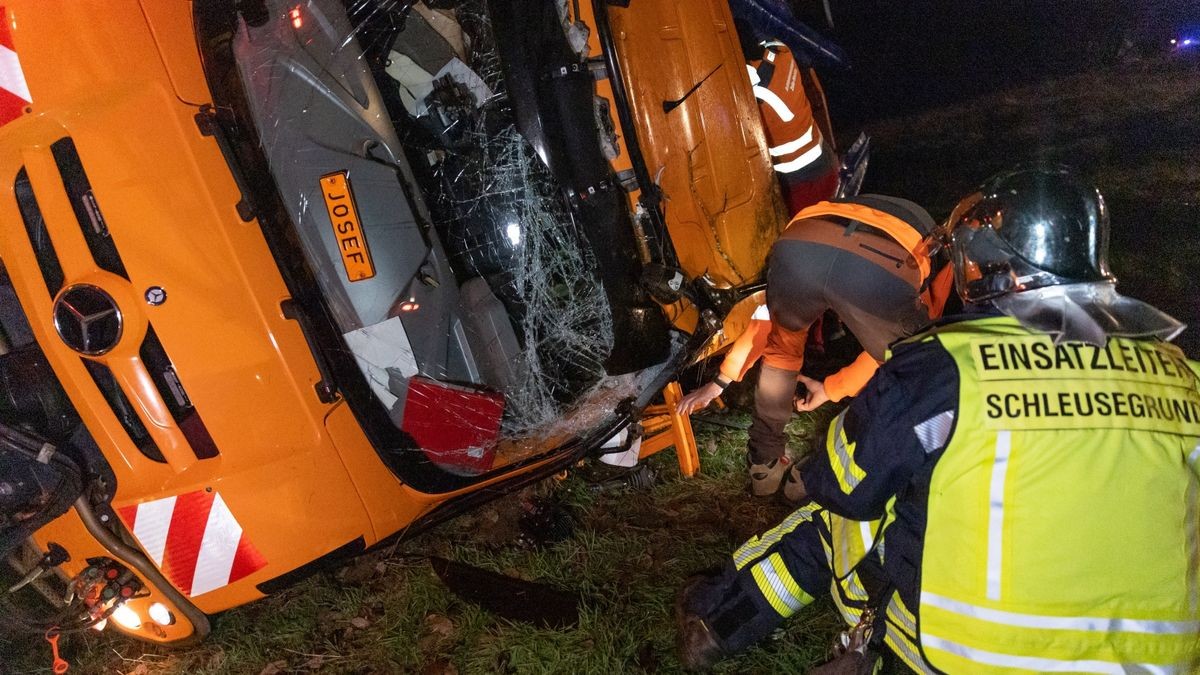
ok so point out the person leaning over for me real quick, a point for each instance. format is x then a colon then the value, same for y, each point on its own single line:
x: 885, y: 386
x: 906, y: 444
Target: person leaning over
x: 864, y: 259
x: 1016, y: 490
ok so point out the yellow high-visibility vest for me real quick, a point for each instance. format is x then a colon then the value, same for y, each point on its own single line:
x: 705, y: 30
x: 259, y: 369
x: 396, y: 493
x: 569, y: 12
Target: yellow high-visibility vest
x: 1063, y: 525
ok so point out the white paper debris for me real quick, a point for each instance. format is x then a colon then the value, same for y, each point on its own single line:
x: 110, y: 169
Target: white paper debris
x: 379, y: 348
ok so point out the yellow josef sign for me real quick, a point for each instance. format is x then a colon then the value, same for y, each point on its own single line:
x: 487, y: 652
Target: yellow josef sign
x: 347, y: 228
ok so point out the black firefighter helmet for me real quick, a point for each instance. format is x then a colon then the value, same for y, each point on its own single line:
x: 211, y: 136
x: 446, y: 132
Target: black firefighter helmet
x: 1033, y: 242
x: 1029, y: 228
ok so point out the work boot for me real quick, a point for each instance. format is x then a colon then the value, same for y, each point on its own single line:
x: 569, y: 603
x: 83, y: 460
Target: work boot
x: 765, y: 478
x: 793, y: 486
x: 697, y: 648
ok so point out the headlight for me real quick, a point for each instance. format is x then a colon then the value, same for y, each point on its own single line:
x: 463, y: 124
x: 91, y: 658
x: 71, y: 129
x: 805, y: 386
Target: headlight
x: 160, y: 614
x: 127, y: 617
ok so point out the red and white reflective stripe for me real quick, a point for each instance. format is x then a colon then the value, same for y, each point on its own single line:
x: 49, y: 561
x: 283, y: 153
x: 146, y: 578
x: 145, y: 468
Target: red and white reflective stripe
x: 14, y: 91
x: 195, y: 540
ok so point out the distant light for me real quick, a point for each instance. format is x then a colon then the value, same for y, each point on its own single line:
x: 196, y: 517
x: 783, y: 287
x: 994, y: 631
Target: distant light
x: 297, y: 20
x: 127, y: 617
x: 1174, y: 41
x: 514, y: 233
x: 1188, y: 42
x: 160, y: 614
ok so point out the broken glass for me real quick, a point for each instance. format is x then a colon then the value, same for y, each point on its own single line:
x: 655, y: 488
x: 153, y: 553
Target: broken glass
x: 448, y: 255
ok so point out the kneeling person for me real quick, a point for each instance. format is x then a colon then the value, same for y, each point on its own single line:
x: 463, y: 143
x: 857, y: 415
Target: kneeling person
x: 968, y: 535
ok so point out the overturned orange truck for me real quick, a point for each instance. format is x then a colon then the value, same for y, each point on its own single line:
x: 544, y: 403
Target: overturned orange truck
x: 285, y: 279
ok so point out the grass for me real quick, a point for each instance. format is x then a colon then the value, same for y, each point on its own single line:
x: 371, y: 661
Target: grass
x: 1134, y: 131
x: 629, y: 553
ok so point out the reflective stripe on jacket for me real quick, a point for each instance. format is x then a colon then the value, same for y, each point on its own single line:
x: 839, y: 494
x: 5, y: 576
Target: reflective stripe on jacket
x: 793, y: 139
x: 1041, y: 499
x: 1061, y: 530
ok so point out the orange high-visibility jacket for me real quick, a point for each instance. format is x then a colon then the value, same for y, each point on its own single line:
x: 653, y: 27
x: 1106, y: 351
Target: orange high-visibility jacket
x: 792, y: 134
x: 784, y: 349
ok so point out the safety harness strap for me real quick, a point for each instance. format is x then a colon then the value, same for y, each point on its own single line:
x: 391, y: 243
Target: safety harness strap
x: 903, y: 233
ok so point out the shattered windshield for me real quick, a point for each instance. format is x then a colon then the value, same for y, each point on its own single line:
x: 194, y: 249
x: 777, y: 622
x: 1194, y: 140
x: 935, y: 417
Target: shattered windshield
x: 454, y: 265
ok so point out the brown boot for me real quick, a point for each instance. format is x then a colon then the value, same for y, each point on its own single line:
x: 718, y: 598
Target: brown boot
x: 697, y: 649
x: 765, y: 478
x: 793, y: 486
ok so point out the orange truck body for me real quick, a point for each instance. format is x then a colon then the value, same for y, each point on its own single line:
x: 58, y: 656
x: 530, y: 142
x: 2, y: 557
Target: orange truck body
x: 123, y: 79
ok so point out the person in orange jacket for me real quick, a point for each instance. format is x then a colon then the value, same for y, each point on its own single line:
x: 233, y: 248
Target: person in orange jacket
x: 801, y: 152
x: 863, y: 258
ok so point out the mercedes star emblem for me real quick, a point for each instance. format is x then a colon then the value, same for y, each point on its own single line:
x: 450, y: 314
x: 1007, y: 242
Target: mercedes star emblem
x: 155, y: 296
x: 87, y: 319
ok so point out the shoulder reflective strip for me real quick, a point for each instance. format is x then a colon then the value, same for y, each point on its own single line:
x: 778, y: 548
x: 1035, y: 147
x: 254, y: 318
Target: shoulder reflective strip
x: 1080, y: 623
x: 1043, y: 665
x: 849, y: 474
x: 995, y: 550
x: 801, y: 161
x: 934, y: 431
x: 792, y: 146
x: 778, y: 587
x: 1194, y: 458
x: 772, y: 99
x: 761, y: 314
x: 906, y: 650
x: 757, y: 546
x: 755, y: 80
x: 898, y: 614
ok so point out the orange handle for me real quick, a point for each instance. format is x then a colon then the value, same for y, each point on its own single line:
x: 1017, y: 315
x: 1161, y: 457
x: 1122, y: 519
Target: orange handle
x: 60, y: 664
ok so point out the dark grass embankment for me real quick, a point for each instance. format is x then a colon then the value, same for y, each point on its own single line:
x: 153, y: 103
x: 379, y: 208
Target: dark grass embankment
x: 1134, y: 131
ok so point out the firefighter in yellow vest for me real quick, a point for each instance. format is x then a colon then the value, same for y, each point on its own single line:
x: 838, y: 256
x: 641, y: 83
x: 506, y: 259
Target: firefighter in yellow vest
x: 1018, y: 488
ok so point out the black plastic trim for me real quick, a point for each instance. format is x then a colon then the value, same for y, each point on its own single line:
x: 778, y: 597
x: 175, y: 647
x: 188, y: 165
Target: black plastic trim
x: 39, y: 235
x: 124, y: 410
x: 87, y: 210
x: 166, y: 380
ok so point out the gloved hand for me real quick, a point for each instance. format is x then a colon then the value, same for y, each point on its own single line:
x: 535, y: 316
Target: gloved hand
x: 815, y: 397
x: 699, y: 399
